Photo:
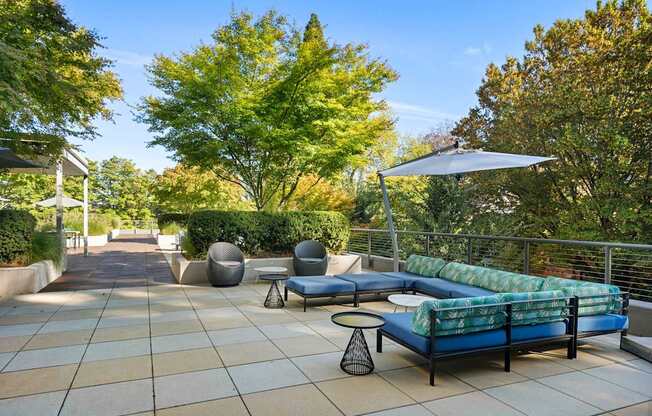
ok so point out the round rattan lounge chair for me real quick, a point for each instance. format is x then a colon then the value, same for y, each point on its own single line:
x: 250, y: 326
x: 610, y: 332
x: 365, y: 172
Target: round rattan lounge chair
x: 310, y: 258
x: 226, y: 264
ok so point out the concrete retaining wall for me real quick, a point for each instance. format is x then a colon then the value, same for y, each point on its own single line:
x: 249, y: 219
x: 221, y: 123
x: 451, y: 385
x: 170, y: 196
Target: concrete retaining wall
x: 29, y: 279
x: 194, y: 271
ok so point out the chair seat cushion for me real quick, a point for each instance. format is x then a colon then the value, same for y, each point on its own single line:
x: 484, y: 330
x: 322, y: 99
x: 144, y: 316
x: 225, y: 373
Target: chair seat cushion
x: 606, y: 322
x: 372, y: 281
x: 311, y: 259
x: 409, y: 278
x: 320, y: 285
x: 399, y: 325
x: 530, y: 332
x: 227, y: 263
x: 442, y: 288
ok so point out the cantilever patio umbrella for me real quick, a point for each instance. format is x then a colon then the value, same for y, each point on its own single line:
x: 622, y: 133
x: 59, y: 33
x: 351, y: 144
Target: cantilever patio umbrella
x: 67, y: 202
x: 8, y: 159
x: 449, y: 161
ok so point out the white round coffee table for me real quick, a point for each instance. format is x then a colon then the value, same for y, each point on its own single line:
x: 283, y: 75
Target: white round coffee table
x: 407, y: 301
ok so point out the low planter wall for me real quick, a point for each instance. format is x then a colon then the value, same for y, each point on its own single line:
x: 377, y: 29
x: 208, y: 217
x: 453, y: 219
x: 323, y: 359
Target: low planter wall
x: 29, y: 279
x: 98, y: 240
x: 167, y: 241
x: 194, y: 271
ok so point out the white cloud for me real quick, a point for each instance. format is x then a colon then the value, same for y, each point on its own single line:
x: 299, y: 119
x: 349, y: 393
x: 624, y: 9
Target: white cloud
x: 417, y: 112
x: 485, y: 49
x: 122, y: 57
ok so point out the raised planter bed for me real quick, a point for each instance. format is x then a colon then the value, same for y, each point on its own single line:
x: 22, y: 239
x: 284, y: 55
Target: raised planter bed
x: 28, y: 279
x: 167, y: 241
x: 194, y: 271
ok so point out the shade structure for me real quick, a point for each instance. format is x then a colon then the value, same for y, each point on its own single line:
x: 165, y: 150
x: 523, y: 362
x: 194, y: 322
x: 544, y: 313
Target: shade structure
x: 67, y: 202
x: 449, y: 161
x: 9, y: 160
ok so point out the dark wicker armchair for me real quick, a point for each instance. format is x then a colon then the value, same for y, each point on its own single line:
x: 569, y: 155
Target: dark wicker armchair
x: 226, y: 264
x: 310, y: 258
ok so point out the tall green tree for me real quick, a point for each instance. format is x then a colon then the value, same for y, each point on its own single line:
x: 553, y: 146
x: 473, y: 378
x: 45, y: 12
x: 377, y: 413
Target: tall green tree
x: 265, y: 105
x: 52, y: 82
x: 581, y: 92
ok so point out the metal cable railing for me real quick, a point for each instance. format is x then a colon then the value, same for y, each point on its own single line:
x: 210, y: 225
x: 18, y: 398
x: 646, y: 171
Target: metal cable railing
x: 628, y: 266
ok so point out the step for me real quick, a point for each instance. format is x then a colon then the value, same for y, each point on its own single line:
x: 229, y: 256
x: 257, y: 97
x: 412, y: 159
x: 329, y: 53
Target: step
x: 639, y: 346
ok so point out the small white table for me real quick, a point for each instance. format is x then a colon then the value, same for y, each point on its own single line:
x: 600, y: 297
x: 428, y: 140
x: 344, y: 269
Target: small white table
x: 407, y: 301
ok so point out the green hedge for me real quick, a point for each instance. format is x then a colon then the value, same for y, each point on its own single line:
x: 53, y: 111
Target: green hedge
x: 16, y: 231
x: 255, y: 232
x: 169, y: 218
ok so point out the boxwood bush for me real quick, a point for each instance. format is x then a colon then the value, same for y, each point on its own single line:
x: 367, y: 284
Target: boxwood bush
x: 258, y: 232
x: 169, y: 218
x: 16, y: 231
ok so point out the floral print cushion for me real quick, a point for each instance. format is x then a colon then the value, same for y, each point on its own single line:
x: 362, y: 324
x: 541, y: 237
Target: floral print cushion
x: 491, y: 279
x: 459, y: 321
x: 610, y: 303
x: 423, y: 265
x: 536, y: 307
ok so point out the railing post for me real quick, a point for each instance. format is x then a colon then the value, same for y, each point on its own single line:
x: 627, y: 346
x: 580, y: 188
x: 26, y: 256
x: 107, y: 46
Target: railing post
x: 369, y: 262
x: 607, y: 265
x: 427, y: 244
x: 526, y: 257
x: 469, y: 250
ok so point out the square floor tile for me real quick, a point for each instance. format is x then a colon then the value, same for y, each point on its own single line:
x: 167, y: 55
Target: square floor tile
x: 110, y: 399
x: 394, y: 357
x: 73, y: 325
x: 167, y: 343
x: 641, y: 365
x: 267, y: 375
x: 250, y: 352
x: 413, y: 410
x: 66, y: 315
x: 356, y: 395
x: 185, y: 361
x: 9, y: 344
x: 536, y: 365
x: 288, y: 330
x: 48, y: 357
x: 291, y: 401
x: 470, y: 404
x: 46, y: 404
x: 643, y: 409
x: 192, y: 387
x: 18, y: 330
x: 214, y: 324
x: 123, y: 321
x: 231, y: 406
x: 185, y: 315
x: 480, y: 373
x: 117, y: 349
x: 35, y: 381
x: 176, y: 327
x: 305, y: 345
x: 415, y: 382
x: 5, y: 357
x: 321, y: 367
x: 59, y: 339
x: 112, y: 371
x: 120, y: 333
x: 535, y: 399
x: 626, y: 376
x: 236, y: 336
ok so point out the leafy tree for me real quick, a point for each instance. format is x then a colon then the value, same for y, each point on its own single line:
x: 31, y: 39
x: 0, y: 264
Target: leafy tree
x: 317, y: 194
x: 52, y: 83
x: 581, y: 92
x: 266, y: 105
x: 184, y: 189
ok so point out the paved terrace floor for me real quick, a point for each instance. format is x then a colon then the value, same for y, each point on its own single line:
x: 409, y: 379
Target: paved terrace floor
x: 165, y: 349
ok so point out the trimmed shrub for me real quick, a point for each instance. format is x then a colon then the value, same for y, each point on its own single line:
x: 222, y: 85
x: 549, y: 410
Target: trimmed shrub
x: 46, y: 246
x: 169, y: 218
x: 16, y: 231
x: 255, y: 232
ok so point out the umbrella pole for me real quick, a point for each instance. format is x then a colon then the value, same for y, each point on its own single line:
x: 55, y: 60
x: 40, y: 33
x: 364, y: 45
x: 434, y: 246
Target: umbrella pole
x: 390, y: 221
x: 85, y: 208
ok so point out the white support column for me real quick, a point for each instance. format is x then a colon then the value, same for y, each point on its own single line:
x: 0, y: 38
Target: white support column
x: 59, y: 205
x: 85, y: 215
x: 390, y: 221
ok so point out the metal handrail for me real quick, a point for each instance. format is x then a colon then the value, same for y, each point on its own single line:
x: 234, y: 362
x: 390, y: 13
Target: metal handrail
x: 626, y: 265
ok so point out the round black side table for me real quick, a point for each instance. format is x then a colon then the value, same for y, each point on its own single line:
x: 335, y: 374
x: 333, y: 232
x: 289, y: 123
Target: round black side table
x: 274, y: 300
x: 357, y: 359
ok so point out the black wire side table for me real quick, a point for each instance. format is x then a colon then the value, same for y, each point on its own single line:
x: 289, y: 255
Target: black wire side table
x: 357, y: 359
x: 274, y: 300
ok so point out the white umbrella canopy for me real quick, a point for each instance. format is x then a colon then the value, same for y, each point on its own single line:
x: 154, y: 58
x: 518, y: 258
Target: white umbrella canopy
x: 450, y: 161
x: 67, y: 202
x: 462, y: 161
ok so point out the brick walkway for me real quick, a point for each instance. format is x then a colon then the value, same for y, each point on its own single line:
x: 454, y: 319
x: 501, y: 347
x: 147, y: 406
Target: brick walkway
x: 127, y: 261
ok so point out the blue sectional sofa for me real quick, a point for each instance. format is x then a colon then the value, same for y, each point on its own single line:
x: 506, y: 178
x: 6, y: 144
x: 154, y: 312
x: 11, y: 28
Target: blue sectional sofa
x: 581, y: 309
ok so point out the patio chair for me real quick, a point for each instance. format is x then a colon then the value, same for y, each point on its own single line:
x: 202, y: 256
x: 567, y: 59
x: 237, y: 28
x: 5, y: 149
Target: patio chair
x: 226, y: 264
x: 310, y: 258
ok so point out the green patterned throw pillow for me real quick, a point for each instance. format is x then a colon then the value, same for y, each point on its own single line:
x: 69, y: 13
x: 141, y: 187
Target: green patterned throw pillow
x: 423, y: 265
x: 609, y: 303
x: 530, y: 308
x: 491, y: 279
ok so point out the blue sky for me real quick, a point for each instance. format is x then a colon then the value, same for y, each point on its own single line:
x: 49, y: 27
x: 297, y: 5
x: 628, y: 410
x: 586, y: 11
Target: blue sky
x: 440, y: 50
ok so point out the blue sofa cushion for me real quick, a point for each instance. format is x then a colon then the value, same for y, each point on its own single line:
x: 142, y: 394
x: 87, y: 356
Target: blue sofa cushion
x: 409, y: 278
x: 442, y: 289
x: 400, y: 326
x: 529, y: 332
x: 606, y: 322
x: 319, y: 285
x: 372, y: 281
